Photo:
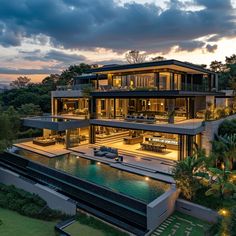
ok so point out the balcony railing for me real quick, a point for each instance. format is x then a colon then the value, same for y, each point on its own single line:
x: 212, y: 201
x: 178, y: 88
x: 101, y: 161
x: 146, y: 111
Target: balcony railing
x: 74, y: 87
x: 184, y: 87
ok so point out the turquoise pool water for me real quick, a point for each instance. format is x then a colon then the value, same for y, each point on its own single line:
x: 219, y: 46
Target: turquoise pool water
x: 133, y: 185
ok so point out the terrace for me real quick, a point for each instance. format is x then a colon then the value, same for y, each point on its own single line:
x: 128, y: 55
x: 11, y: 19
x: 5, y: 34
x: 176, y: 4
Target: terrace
x: 141, y: 163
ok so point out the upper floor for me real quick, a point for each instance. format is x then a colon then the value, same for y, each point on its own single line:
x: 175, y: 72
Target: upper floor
x: 159, y: 75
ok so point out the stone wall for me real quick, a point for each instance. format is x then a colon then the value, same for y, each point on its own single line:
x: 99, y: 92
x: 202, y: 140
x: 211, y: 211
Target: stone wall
x: 195, y: 210
x: 54, y: 199
x: 211, y: 128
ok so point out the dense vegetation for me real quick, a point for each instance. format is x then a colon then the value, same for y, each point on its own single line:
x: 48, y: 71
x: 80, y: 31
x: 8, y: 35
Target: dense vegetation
x: 29, y: 99
x: 211, y: 180
x: 26, y: 204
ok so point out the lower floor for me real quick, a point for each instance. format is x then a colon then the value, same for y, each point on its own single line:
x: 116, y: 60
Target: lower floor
x: 143, y: 143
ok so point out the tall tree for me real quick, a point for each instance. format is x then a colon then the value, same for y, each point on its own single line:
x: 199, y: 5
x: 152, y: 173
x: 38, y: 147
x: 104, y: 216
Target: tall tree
x: 20, y: 82
x: 134, y: 56
x: 74, y: 70
x: 158, y: 58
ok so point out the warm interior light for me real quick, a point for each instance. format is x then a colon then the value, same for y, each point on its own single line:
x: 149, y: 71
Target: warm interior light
x: 77, y: 157
x: 99, y: 163
x: 147, y: 178
x: 162, y: 104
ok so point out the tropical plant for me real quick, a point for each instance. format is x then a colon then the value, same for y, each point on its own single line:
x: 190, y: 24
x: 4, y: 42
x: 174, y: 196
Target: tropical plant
x: 222, y: 186
x: 185, y: 173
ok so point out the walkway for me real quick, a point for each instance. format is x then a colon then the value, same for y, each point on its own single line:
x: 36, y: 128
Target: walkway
x: 181, y: 224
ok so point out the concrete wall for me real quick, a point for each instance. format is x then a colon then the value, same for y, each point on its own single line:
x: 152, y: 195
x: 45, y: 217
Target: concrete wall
x: 161, y: 208
x: 211, y: 128
x: 54, y: 199
x: 196, y: 210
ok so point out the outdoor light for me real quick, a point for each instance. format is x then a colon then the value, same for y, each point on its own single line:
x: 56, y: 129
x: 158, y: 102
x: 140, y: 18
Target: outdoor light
x: 99, y: 163
x: 162, y: 104
x: 147, y: 178
x: 223, y: 212
x: 77, y: 157
x: 149, y: 103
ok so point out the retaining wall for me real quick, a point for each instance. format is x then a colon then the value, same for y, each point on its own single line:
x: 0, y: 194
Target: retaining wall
x: 54, y: 199
x: 161, y: 208
x: 211, y: 128
x: 196, y: 210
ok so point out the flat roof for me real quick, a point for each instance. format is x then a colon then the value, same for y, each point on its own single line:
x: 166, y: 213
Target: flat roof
x: 153, y: 93
x: 91, y: 77
x: 54, y: 123
x: 165, y: 64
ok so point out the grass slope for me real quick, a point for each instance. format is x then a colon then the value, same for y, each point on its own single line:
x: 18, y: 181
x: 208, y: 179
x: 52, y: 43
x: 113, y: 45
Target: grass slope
x: 14, y: 224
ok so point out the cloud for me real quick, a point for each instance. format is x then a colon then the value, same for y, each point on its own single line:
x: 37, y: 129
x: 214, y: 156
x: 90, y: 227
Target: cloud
x: 83, y: 24
x: 211, y: 48
x: 52, y: 55
x: 20, y: 71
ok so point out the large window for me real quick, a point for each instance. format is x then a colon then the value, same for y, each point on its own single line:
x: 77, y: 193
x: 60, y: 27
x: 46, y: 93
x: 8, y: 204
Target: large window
x: 135, y: 80
x: 164, y: 81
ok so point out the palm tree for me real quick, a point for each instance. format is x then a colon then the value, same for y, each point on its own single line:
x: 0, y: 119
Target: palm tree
x: 185, y: 173
x: 229, y: 145
x: 222, y: 185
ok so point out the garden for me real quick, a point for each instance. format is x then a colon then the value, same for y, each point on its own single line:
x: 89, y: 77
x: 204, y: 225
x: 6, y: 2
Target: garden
x: 211, y: 180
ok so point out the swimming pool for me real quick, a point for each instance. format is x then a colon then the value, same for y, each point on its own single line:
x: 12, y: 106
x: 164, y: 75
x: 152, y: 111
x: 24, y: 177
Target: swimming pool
x: 130, y: 184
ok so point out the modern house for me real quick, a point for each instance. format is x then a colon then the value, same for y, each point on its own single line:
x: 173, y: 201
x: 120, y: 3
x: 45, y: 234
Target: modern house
x: 154, y: 108
x: 149, y: 114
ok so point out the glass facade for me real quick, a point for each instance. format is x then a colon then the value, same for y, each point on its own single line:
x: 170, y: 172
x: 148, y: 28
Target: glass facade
x: 134, y: 80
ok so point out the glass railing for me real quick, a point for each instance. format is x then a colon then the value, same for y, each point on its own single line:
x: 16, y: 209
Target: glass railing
x: 74, y: 87
x: 183, y: 87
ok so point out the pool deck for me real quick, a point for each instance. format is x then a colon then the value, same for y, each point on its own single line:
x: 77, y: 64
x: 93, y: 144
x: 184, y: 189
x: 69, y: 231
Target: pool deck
x: 152, y: 167
x: 48, y: 151
x: 156, y: 168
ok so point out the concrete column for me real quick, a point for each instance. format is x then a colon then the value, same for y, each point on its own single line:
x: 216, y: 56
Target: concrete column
x: 67, y: 141
x: 92, y: 136
x: 171, y: 110
x: 181, y: 147
x: 216, y: 82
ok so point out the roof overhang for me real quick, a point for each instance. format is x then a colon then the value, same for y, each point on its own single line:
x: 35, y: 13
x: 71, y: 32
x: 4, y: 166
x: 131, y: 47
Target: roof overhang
x: 156, y: 65
x: 152, y: 94
x: 191, y: 129
x: 54, y: 123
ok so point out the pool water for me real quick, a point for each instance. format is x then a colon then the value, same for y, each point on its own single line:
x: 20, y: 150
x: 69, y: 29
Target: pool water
x: 133, y: 185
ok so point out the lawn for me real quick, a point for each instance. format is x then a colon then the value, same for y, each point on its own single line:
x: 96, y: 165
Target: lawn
x: 14, y: 224
x: 79, y: 229
x: 89, y: 225
x: 181, y: 224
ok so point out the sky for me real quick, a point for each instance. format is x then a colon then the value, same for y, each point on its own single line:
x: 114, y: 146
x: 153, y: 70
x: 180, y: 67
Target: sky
x: 41, y: 37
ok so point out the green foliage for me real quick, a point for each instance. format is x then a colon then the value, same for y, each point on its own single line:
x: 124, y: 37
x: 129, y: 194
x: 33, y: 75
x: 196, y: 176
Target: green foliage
x: 30, y: 109
x: 74, y: 70
x: 184, y: 174
x: 10, y: 124
x: 232, y: 225
x: 227, y: 127
x: 26, y: 203
x: 221, y: 187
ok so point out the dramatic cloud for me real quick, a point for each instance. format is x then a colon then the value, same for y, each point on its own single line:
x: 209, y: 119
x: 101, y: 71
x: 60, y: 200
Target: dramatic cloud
x: 20, y: 71
x: 77, y: 24
x: 52, y: 55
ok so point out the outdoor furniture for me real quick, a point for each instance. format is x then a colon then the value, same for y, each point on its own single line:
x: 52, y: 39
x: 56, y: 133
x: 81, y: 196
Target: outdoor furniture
x: 133, y: 140
x: 154, y: 147
x: 44, y: 142
x: 108, y: 152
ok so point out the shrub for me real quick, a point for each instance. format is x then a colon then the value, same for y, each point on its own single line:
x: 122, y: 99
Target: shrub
x: 26, y: 203
x: 227, y: 127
